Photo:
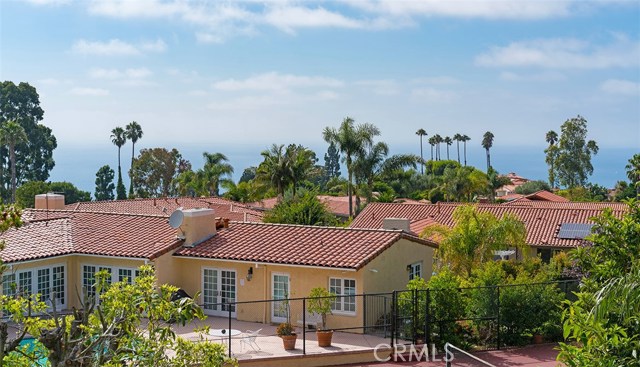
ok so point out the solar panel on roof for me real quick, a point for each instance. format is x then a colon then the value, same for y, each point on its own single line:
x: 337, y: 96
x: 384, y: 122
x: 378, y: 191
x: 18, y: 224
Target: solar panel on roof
x: 574, y: 230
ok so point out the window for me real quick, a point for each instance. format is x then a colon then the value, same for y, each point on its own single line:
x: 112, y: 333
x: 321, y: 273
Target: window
x: 345, y: 290
x: 58, y: 284
x: 415, y: 270
x: 44, y: 284
x: 24, y: 282
x: 88, y: 280
x: 125, y: 275
x: 9, y: 285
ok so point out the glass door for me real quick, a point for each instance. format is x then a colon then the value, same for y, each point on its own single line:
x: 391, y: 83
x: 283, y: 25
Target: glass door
x: 219, y: 291
x: 280, y: 291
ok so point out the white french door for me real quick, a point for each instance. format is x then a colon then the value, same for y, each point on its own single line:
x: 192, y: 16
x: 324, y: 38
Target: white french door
x: 279, y: 290
x: 219, y: 291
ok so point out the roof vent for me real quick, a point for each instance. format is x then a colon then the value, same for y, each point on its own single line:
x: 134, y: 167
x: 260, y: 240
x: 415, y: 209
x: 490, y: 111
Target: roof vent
x: 396, y: 223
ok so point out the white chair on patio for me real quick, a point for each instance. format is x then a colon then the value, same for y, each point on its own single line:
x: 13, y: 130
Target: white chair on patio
x: 249, y: 339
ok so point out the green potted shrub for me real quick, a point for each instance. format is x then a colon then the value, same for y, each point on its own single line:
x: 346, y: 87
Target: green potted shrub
x: 287, y: 333
x: 320, y: 300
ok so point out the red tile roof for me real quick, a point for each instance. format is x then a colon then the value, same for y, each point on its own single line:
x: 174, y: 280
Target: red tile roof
x: 66, y: 232
x: 338, y: 205
x: 598, y: 205
x: 298, y: 245
x: 165, y: 206
x: 545, y: 195
x: 542, y: 223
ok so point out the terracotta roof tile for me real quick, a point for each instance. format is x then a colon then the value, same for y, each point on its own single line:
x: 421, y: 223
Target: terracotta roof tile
x: 165, y: 206
x: 338, y: 205
x: 106, y: 234
x: 298, y: 245
x: 542, y: 223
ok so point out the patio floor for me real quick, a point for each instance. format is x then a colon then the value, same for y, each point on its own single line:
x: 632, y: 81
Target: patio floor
x: 270, y: 345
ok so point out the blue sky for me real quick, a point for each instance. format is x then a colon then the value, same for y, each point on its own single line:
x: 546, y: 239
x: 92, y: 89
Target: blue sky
x: 235, y: 77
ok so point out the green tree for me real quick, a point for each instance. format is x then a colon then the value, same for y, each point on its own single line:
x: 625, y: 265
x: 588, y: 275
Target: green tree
x: 332, y: 162
x: 530, y: 187
x: 447, y: 140
x: 12, y: 134
x: 26, y: 193
x: 351, y: 140
x: 475, y: 236
x: 302, y: 209
x: 438, y: 140
x: 275, y: 169
x: 154, y: 171
x: 248, y: 174
x: 551, y: 155
x: 244, y: 192
x: 602, y: 325
x: 633, y: 172
x: 119, y: 138
x: 71, y: 193
x: 421, y: 133
x: 573, y: 162
x: 216, y: 171
x: 133, y: 132
x: 34, y: 157
x: 104, y: 183
x: 487, y: 143
x: 432, y: 142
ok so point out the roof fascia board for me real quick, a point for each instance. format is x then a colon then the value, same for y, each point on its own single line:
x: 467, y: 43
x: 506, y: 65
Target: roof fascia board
x: 266, y: 263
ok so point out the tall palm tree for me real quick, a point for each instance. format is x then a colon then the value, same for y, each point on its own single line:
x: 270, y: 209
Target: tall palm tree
x: 275, y: 169
x: 350, y: 140
x: 134, y: 133
x: 12, y: 134
x: 552, y: 151
x: 465, y: 139
x: 432, y: 142
x: 421, y: 133
x: 448, y: 141
x: 216, y: 170
x: 438, y: 140
x: 633, y: 172
x: 119, y: 138
x: 458, y: 139
x: 487, y: 143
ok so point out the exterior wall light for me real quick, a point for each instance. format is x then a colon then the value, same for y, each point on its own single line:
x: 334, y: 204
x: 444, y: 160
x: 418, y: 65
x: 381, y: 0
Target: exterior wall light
x: 250, y: 274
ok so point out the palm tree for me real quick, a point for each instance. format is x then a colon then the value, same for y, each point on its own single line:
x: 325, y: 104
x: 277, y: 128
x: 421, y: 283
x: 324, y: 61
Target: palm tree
x: 421, y: 133
x: 633, y: 172
x: 350, y: 140
x: 133, y: 133
x: 465, y: 139
x: 458, y: 139
x: 275, y: 169
x: 119, y: 138
x: 448, y: 141
x: 216, y: 170
x: 438, y: 140
x: 487, y: 143
x: 552, y: 152
x: 12, y: 134
x: 432, y: 142
x: 301, y: 164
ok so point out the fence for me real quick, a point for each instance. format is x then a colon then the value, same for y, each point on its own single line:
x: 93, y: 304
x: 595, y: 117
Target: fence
x: 472, y: 318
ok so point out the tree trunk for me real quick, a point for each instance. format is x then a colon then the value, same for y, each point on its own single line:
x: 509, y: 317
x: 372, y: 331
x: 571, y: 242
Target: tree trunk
x: 421, y: 158
x: 465, y: 153
x: 133, y: 152
x: 12, y: 157
x: 488, y: 161
x: 458, y: 145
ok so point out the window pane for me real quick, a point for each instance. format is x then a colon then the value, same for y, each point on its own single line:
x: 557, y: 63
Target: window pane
x: 125, y: 275
x: 58, y: 284
x: 24, y: 283
x: 88, y: 280
x: 9, y: 285
x: 44, y: 284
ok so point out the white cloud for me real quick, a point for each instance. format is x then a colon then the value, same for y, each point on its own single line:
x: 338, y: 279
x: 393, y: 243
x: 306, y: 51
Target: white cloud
x: 116, y: 47
x: 277, y: 82
x: 135, y: 73
x: 288, y: 18
x: 532, y: 77
x: 433, y: 95
x: 95, y: 92
x: 564, y: 53
x: 623, y: 87
x: 48, y: 2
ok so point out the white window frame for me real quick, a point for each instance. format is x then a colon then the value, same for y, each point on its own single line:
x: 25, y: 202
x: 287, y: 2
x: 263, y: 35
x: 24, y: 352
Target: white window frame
x: 33, y: 284
x: 412, y: 270
x: 114, y: 271
x: 342, y: 296
x: 277, y: 304
x: 217, y: 296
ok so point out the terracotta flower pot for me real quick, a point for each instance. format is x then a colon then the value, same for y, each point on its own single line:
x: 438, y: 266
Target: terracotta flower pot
x: 324, y: 338
x: 289, y: 341
x: 537, y: 339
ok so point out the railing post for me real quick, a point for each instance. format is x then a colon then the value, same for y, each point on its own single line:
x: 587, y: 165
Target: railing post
x: 414, y: 316
x: 498, y: 316
x: 229, y: 329
x: 304, y: 326
x: 427, y: 318
x: 364, y: 313
x: 393, y: 316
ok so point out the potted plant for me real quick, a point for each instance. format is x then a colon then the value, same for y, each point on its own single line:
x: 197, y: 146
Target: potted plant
x: 320, y: 300
x: 537, y: 335
x: 288, y: 335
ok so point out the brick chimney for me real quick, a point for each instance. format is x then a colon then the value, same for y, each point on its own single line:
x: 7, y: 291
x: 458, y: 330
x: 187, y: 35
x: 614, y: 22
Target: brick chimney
x: 396, y: 223
x: 197, y: 226
x: 49, y: 201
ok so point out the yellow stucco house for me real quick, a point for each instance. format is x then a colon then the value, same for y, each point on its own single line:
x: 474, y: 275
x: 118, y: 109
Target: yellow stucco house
x: 57, y: 252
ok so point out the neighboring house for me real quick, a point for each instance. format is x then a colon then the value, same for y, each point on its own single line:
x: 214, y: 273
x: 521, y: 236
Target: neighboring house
x: 508, y: 192
x: 56, y: 253
x: 337, y: 205
x: 165, y: 206
x: 551, y: 226
x: 539, y: 196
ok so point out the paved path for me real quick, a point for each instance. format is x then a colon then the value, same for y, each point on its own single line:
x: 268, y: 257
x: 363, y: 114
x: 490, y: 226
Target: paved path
x: 530, y: 356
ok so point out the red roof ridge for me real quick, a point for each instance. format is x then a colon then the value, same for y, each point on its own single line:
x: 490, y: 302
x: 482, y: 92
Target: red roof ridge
x: 322, y: 227
x: 71, y: 211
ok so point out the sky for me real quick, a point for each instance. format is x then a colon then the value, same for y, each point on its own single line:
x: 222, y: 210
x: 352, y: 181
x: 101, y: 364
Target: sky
x: 237, y: 76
